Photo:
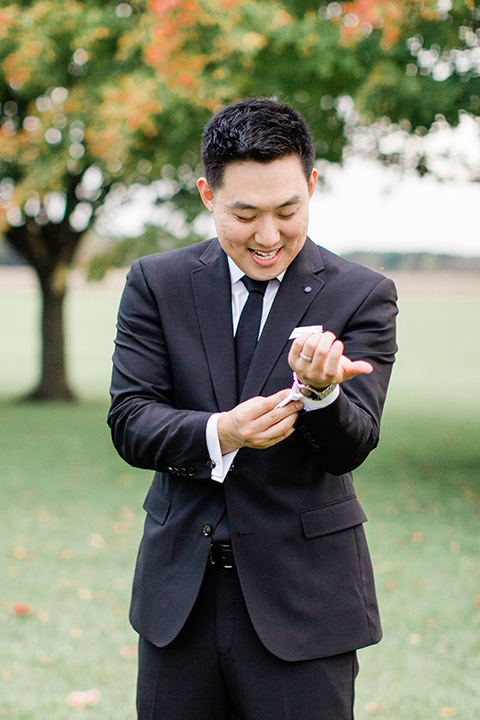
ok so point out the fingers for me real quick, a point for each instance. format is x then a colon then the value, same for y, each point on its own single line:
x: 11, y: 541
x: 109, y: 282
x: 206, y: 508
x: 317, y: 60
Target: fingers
x: 352, y: 369
x: 327, y: 358
x: 271, y: 435
x: 259, y: 414
x: 262, y: 405
x: 315, y: 358
x: 257, y: 423
x: 318, y: 360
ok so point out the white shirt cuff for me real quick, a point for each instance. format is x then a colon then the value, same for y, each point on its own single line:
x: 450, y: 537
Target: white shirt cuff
x: 222, y: 462
x: 308, y: 403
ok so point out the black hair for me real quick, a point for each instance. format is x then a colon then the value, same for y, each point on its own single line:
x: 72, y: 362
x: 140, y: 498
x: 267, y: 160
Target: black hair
x: 259, y: 129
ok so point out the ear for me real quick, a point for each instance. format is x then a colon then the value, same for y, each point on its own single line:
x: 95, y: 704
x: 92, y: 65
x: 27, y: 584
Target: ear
x: 205, y: 193
x: 312, y: 182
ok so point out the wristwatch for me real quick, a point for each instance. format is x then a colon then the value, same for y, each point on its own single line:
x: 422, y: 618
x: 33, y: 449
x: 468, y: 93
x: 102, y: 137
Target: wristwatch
x: 314, y: 394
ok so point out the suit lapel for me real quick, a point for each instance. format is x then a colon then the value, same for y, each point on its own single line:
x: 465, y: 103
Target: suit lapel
x: 212, y: 292
x: 291, y: 303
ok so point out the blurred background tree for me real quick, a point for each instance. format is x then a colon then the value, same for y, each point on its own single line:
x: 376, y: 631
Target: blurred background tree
x: 81, y: 115
x: 361, y: 72
x: 99, y: 99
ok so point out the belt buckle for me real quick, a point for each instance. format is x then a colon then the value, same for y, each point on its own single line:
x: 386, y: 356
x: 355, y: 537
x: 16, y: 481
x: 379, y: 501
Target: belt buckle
x: 220, y: 546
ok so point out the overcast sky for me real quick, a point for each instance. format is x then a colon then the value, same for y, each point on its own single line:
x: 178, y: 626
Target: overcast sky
x: 369, y: 207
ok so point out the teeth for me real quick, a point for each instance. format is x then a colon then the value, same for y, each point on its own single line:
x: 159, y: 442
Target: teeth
x: 265, y: 255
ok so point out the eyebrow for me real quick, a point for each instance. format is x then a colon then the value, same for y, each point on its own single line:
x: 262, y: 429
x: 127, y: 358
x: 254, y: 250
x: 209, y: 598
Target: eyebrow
x: 239, y: 205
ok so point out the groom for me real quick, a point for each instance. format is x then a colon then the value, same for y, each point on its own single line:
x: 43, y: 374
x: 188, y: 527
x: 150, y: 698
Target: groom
x: 250, y: 373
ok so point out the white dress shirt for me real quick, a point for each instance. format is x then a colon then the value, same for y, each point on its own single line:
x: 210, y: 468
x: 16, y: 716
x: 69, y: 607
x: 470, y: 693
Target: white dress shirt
x: 239, y: 298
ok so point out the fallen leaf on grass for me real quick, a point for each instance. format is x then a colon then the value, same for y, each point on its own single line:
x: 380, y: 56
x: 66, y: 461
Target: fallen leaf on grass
x: 85, y: 594
x: 447, y: 712
x: 76, y: 632
x: 79, y: 698
x: 477, y: 601
x: 414, y: 639
x: 372, y: 707
x: 418, y: 537
x: 21, y: 608
x: 127, y: 513
x: 45, y: 661
x: 97, y: 541
x: 20, y: 553
x: 129, y: 652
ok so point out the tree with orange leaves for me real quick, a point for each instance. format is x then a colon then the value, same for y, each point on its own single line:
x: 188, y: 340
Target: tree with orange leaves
x: 413, y: 63
x: 80, y: 114
x: 98, y: 96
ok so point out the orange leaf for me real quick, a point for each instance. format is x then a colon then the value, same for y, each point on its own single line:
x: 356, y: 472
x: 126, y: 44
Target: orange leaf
x: 21, y: 608
x: 79, y: 698
x: 129, y: 652
x: 372, y: 707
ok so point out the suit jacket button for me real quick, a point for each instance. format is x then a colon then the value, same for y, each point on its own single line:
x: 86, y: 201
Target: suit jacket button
x: 176, y: 471
x: 183, y: 472
x: 211, y: 464
x: 207, y: 530
x: 232, y: 467
x: 302, y: 428
x: 191, y: 471
x: 170, y: 469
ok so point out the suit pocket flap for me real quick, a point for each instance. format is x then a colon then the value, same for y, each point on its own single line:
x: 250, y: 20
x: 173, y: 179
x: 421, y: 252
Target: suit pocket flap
x: 332, y: 518
x: 157, y: 504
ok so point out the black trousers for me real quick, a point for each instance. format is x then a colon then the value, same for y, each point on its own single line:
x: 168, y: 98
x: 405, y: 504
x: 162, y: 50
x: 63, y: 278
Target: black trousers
x: 218, y: 669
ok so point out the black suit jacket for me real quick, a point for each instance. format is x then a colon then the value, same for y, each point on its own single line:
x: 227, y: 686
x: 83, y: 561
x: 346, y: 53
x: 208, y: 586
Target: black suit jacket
x: 296, y: 525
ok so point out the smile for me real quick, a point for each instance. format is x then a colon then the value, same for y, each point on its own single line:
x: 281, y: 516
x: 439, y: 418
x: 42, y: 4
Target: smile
x: 265, y: 255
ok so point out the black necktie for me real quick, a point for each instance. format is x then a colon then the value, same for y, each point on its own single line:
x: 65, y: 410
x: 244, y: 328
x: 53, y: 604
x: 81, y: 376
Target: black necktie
x: 248, y: 327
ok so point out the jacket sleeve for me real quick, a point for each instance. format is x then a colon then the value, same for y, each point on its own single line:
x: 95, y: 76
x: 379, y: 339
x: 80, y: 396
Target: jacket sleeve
x: 147, y: 430
x: 343, y: 434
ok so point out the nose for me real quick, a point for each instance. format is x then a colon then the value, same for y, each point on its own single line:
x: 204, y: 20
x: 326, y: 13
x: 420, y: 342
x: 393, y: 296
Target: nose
x: 267, y: 233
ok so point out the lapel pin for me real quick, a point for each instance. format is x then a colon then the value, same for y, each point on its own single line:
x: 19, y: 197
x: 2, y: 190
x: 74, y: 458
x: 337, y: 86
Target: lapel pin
x: 307, y: 289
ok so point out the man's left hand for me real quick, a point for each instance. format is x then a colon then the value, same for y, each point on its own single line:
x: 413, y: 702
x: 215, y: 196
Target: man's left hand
x: 318, y: 361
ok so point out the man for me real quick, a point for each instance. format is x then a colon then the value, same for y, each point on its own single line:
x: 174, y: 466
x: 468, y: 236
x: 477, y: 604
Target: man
x: 253, y: 587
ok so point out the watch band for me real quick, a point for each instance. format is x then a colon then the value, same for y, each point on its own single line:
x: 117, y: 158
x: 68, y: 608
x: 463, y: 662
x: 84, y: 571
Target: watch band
x: 316, y: 394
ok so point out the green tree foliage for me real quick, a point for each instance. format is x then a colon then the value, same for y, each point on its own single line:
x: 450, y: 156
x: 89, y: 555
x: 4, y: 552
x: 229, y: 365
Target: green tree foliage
x: 99, y: 96
x: 414, y: 64
x: 81, y: 116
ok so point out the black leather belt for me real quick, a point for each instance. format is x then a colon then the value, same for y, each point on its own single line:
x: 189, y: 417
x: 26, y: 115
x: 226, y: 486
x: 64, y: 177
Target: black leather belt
x: 221, y: 554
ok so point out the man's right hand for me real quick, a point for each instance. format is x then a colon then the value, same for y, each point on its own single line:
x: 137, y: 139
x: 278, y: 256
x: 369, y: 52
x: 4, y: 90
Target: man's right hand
x: 257, y: 423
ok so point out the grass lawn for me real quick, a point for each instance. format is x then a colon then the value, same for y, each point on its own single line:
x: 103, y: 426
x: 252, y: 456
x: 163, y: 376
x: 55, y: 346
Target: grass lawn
x: 71, y: 518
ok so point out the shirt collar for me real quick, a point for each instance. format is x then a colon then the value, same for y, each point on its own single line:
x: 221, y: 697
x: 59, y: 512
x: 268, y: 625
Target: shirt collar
x: 236, y: 274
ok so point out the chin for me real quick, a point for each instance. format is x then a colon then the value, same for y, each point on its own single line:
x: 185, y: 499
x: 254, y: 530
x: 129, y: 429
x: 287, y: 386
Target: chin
x: 263, y: 273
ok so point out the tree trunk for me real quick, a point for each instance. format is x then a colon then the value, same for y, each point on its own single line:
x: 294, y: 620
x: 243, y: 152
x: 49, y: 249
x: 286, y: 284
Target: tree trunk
x: 53, y: 384
x: 49, y: 248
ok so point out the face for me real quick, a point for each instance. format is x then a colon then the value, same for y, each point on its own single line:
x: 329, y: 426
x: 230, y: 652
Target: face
x: 261, y: 213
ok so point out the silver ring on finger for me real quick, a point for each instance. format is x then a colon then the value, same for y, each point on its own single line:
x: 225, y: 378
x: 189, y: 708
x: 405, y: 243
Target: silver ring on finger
x: 305, y: 357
